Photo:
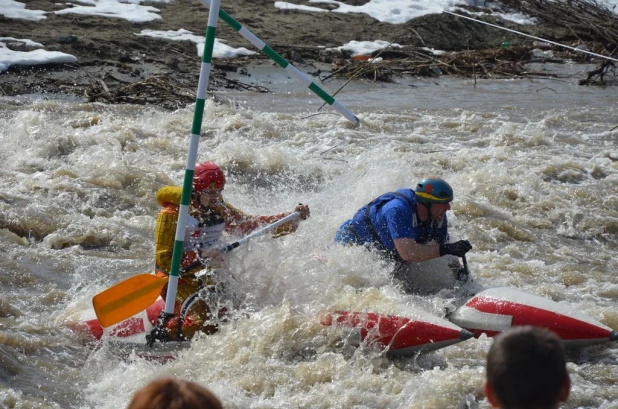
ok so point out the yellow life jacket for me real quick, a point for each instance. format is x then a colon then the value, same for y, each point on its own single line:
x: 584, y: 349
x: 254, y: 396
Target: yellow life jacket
x: 202, y: 232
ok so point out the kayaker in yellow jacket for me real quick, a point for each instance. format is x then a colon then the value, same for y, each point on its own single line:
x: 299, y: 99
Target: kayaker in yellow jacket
x: 209, y: 216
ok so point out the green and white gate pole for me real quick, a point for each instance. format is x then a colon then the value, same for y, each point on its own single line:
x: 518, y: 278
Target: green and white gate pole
x: 187, y: 185
x: 282, y: 62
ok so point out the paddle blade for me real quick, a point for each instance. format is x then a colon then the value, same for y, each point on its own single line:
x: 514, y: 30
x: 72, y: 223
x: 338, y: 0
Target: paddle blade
x: 127, y: 298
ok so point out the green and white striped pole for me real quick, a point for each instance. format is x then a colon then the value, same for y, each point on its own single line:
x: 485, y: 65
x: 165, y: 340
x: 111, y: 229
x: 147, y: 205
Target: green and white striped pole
x: 187, y: 185
x: 283, y: 63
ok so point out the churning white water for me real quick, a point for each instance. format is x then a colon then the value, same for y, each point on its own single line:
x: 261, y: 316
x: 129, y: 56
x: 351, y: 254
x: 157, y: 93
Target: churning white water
x: 534, y: 165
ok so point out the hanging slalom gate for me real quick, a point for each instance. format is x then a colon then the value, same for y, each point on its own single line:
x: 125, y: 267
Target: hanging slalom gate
x: 283, y: 63
x: 187, y: 186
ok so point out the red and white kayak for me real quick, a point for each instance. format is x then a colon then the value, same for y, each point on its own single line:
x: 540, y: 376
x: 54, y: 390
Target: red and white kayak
x: 406, y: 332
x: 129, y: 336
x: 402, y: 331
x: 139, y: 324
x: 497, y: 309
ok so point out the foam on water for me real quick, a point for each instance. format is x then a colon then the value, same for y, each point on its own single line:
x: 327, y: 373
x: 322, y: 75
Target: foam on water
x: 535, y: 192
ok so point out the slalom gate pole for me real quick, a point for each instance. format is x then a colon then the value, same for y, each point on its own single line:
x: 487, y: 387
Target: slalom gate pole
x: 283, y: 63
x: 187, y: 185
x: 531, y: 36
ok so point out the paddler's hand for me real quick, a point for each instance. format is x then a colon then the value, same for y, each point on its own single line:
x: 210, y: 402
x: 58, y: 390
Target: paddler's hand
x: 303, y: 210
x: 214, y: 256
x: 459, y: 248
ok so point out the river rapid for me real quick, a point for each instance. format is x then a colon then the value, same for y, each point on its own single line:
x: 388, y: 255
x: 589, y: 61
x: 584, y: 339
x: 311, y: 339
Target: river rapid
x: 534, y: 166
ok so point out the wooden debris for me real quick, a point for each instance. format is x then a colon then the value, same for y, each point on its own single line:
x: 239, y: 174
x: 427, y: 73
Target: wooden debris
x: 159, y: 90
x: 590, y: 22
x: 156, y: 90
x: 597, y: 76
x: 492, y: 63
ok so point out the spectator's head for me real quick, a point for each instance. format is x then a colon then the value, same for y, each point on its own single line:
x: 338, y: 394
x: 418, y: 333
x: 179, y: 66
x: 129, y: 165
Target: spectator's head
x: 173, y: 393
x: 526, y: 369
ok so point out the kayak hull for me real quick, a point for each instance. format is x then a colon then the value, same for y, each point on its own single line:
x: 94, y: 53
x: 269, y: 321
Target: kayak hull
x: 138, y: 324
x: 400, y: 332
x: 404, y: 333
x: 497, y: 309
x: 128, y: 338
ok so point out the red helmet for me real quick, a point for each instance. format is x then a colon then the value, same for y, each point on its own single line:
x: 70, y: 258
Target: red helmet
x: 207, y: 175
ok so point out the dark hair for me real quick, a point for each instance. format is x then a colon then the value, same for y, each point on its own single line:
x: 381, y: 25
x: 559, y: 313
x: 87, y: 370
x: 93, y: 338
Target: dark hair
x: 173, y: 393
x: 526, y: 368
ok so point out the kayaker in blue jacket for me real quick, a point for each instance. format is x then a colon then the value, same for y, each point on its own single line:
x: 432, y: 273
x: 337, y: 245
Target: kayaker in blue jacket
x: 407, y: 226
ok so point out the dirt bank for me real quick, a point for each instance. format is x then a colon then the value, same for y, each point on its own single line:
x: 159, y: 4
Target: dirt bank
x: 116, y: 65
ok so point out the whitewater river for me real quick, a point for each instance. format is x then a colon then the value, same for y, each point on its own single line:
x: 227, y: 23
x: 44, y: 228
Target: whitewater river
x: 534, y: 166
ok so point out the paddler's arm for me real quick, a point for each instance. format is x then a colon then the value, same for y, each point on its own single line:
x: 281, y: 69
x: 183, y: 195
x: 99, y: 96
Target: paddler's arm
x: 397, y: 217
x: 411, y: 251
x: 242, y: 223
x: 289, y: 227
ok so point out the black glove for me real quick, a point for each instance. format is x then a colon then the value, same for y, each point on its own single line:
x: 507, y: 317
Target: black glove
x: 459, y: 248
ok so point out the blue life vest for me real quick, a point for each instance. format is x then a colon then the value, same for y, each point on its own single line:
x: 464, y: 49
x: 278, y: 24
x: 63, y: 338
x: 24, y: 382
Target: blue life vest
x: 390, y: 216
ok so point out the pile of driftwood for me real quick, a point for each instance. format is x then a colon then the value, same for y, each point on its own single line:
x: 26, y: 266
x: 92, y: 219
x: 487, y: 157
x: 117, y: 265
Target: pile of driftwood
x: 499, y: 63
x: 161, y: 90
x: 507, y: 62
x: 592, y: 25
x: 588, y: 20
x: 155, y: 90
x: 591, y: 21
